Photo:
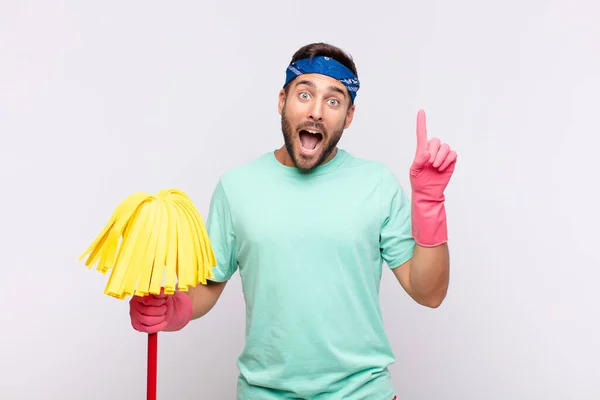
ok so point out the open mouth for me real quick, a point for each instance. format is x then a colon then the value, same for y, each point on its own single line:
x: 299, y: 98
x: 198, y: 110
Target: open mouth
x: 310, y: 141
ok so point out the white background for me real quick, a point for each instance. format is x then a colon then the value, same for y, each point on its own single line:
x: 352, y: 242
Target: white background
x: 99, y: 100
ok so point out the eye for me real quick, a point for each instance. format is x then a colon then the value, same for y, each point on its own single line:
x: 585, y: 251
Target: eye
x: 333, y: 102
x: 304, y: 96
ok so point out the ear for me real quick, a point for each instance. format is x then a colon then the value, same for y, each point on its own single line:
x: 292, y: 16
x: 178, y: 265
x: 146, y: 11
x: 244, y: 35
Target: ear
x: 349, y: 116
x: 281, y: 101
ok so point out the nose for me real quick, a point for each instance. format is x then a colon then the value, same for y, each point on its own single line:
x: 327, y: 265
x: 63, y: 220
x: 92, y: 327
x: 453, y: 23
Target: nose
x: 316, y: 112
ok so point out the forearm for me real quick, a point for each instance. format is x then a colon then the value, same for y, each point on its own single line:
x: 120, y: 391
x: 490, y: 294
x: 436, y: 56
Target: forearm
x: 426, y: 275
x: 429, y: 273
x: 204, y: 297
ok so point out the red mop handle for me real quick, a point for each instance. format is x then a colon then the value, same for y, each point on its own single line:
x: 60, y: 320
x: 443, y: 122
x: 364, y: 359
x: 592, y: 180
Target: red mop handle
x: 152, y: 355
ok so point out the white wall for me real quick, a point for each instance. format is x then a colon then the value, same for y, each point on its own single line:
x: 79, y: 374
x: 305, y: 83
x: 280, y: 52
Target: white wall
x: 190, y: 90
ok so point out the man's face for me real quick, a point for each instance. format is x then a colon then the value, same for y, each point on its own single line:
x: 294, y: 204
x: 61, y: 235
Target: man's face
x: 313, y: 116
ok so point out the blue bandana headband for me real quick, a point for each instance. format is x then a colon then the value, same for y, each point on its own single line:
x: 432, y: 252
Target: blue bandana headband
x: 324, y: 66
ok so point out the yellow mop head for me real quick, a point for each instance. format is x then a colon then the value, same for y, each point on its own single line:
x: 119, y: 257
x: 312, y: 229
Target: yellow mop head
x: 163, y: 237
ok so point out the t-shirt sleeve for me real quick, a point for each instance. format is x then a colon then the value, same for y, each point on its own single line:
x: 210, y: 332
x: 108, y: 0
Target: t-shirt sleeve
x: 220, y: 229
x: 396, y: 241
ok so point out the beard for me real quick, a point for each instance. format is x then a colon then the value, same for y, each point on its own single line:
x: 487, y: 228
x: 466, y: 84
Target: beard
x: 328, y: 145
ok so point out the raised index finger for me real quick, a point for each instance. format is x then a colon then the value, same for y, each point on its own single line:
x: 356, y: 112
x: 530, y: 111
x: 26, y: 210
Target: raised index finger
x: 421, y: 132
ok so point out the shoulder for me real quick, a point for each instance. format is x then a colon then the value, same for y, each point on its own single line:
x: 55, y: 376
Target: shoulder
x: 245, y: 174
x: 371, y: 169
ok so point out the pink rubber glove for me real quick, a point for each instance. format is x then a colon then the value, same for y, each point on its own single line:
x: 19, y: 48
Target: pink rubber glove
x: 155, y: 313
x: 430, y: 173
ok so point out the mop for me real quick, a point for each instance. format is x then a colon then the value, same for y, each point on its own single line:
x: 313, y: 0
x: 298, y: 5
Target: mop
x: 152, y: 242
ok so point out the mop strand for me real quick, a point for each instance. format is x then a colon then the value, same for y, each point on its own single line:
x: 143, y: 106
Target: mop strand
x: 162, y: 237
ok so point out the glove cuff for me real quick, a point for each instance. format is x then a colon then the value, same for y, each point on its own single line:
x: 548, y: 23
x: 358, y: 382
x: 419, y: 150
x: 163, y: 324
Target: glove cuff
x: 429, y: 226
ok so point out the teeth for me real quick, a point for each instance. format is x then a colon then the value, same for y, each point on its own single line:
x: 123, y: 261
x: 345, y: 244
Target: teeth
x: 313, y: 132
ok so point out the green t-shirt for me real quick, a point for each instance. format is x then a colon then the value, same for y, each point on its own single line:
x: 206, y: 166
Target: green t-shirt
x: 310, y: 248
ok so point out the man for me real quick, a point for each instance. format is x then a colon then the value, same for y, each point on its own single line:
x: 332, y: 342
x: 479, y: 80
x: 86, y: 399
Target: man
x: 308, y: 227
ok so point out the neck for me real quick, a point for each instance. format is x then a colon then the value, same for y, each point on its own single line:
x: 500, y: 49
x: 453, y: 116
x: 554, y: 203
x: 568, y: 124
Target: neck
x: 283, y: 156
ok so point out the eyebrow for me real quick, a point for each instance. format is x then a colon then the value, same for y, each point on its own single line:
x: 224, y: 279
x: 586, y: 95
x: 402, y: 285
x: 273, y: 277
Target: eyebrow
x: 312, y: 84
